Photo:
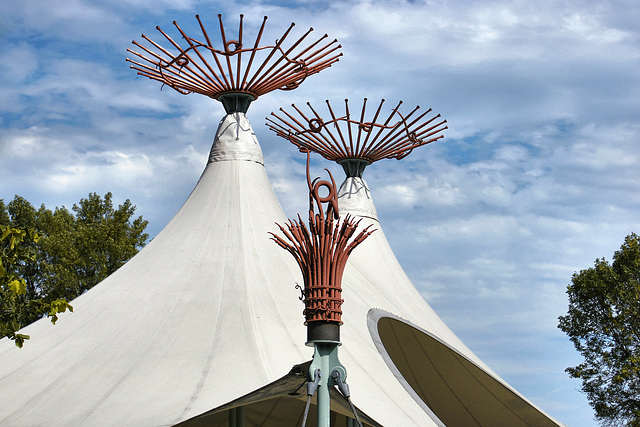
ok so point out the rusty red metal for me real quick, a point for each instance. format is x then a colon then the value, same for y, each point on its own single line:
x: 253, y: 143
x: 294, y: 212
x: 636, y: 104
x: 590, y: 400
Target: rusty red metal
x: 341, y: 137
x: 200, y: 67
x: 322, y: 250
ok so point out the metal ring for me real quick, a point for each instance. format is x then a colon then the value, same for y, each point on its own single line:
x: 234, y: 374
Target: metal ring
x: 236, y: 46
x: 366, y: 127
x: 316, y: 125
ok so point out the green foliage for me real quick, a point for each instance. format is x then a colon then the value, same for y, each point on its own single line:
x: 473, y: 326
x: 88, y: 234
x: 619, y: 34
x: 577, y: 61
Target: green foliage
x: 603, y: 323
x: 50, y: 257
x: 13, y: 304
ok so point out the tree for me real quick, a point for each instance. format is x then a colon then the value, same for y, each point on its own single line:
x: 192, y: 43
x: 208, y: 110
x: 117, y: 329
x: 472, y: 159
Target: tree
x: 74, y: 250
x: 13, y: 307
x: 603, y: 323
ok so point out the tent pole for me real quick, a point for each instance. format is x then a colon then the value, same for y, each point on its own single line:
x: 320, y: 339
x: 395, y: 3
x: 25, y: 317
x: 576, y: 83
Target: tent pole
x: 240, y: 416
x: 324, y: 400
x: 236, y: 417
x: 325, y: 360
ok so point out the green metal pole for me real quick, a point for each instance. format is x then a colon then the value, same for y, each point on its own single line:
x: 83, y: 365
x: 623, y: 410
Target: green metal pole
x: 324, y: 400
x: 240, y: 416
x: 325, y: 359
x: 236, y: 417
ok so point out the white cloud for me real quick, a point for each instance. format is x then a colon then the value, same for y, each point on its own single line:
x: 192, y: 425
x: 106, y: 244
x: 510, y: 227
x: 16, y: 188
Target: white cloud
x: 76, y: 20
x: 587, y: 27
x: 19, y: 61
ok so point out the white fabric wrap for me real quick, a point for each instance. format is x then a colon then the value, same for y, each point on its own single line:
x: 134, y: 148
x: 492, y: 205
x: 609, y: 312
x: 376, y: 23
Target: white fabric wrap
x: 235, y: 140
x: 354, y: 198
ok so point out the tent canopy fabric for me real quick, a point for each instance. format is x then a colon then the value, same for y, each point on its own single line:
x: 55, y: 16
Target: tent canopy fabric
x: 206, y: 317
x: 279, y: 403
x: 454, y: 388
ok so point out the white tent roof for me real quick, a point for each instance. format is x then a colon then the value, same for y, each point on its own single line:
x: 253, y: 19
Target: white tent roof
x: 206, y: 318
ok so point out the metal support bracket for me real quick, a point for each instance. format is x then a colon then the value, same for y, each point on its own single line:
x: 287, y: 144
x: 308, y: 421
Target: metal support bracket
x: 325, y: 359
x: 325, y: 363
x: 342, y: 386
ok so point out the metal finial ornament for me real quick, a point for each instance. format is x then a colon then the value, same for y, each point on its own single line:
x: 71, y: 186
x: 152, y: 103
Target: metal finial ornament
x: 322, y: 250
x: 354, y: 139
x: 230, y: 71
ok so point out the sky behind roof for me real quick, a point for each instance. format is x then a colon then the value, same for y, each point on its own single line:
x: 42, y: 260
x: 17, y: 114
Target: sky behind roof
x: 536, y: 178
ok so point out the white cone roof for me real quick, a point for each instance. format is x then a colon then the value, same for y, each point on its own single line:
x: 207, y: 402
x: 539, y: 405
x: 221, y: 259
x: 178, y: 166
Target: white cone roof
x: 207, y: 313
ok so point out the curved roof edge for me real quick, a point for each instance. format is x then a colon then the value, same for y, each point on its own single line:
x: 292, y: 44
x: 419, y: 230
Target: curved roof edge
x: 459, y: 392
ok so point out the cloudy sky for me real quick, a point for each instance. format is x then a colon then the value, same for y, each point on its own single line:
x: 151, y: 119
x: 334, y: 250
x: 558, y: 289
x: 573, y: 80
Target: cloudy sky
x: 536, y: 178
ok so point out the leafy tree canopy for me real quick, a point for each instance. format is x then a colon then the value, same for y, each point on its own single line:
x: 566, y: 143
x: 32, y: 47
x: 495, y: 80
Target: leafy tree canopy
x: 50, y: 257
x: 13, y: 304
x: 603, y: 322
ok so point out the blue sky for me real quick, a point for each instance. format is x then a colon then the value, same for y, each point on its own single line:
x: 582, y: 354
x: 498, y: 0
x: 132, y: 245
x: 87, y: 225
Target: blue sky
x: 536, y: 178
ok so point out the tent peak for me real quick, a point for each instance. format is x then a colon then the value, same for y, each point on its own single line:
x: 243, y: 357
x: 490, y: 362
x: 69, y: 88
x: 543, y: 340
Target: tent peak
x: 235, y: 140
x: 354, y: 198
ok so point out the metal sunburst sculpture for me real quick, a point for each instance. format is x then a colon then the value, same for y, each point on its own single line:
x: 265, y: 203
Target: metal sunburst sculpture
x: 353, y: 140
x: 227, y: 69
